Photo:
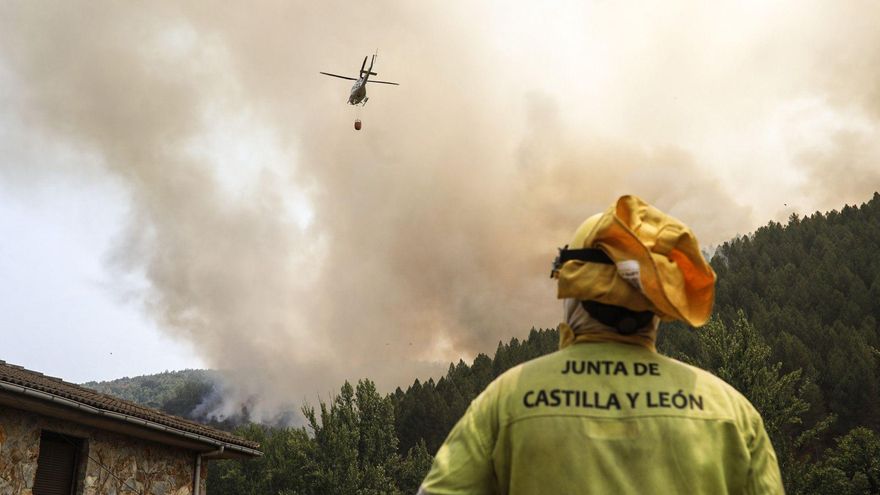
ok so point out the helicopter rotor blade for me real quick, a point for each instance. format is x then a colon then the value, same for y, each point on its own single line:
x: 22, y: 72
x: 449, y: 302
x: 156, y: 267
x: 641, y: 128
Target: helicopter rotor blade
x: 340, y: 77
x: 364, y: 65
x: 382, y: 82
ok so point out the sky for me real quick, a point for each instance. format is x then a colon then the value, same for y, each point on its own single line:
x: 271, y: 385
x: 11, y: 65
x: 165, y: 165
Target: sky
x: 181, y: 188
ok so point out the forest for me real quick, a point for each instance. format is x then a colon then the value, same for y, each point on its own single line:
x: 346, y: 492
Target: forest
x: 795, y: 329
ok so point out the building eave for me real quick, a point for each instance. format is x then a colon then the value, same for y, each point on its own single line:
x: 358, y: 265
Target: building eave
x: 46, y: 403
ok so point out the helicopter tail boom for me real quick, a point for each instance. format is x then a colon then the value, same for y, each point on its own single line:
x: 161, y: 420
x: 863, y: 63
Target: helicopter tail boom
x: 370, y: 70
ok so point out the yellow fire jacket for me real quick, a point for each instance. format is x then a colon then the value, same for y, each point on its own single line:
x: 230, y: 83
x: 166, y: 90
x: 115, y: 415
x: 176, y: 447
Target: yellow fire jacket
x: 606, y: 418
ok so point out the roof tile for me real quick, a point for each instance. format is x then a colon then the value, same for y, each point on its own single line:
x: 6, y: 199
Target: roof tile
x: 18, y: 375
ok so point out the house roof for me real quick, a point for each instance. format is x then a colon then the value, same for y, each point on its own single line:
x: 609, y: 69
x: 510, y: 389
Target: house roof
x: 28, y: 382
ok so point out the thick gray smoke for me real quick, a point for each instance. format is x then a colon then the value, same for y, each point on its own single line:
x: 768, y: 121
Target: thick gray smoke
x: 427, y: 236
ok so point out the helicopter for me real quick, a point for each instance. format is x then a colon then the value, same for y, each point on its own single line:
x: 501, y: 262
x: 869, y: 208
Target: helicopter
x: 358, y: 94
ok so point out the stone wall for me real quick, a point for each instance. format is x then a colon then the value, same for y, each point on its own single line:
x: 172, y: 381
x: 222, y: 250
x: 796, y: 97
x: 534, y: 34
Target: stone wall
x: 113, y: 464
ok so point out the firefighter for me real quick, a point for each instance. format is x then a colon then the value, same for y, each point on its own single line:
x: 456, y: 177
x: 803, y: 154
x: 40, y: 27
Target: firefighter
x: 607, y: 414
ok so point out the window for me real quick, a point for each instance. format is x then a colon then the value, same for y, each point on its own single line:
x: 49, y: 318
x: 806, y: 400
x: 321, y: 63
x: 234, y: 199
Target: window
x: 57, y: 464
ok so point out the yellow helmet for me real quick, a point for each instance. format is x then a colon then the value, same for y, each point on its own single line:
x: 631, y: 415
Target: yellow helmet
x: 635, y: 256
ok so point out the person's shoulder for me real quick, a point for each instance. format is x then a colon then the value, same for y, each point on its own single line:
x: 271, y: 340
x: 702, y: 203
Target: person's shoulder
x: 707, y: 379
x: 705, y: 376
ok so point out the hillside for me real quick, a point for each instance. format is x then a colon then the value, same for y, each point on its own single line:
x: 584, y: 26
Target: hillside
x: 176, y: 392
x: 812, y: 290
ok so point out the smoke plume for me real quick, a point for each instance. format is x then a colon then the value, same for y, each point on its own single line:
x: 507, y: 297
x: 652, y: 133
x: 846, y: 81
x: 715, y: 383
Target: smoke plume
x: 296, y: 252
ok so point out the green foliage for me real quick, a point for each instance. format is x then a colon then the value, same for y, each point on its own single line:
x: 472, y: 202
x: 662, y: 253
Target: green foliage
x: 284, y: 468
x: 356, y: 445
x: 738, y: 355
x: 349, y: 446
x: 852, y: 467
x: 812, y: 287
x: 187, y: 397
x: 157, y: 390
x: 413, y: 468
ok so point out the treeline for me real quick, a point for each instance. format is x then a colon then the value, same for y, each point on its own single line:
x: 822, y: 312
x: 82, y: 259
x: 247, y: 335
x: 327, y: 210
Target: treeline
x: 364, y: 443
x: 353, y: 444
x: 795, y: 329
x: 349, y: 447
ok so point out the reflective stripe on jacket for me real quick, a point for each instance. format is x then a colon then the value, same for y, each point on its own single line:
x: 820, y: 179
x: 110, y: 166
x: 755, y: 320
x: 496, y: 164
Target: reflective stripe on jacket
x: 606, y: 418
